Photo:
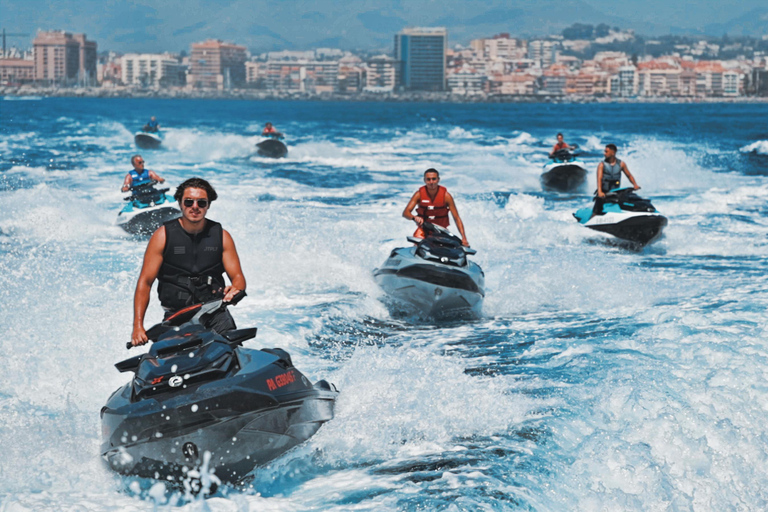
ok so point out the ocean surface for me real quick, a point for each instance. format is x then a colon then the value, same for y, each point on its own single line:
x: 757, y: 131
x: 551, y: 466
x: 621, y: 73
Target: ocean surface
x: 598, y: 378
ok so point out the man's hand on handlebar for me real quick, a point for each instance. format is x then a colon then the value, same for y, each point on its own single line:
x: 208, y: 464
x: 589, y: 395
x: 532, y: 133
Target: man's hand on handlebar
x: 230, y: 292
x: 139, y: 336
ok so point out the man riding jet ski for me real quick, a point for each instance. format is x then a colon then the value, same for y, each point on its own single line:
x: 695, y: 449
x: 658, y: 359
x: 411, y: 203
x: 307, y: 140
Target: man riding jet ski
x: 433, y: 278
x: 272, y: 145
x: 147, y: 207
x: 149, y: 136
x: 199, y: 400
x: 565, y: 173
x: 621, y: 212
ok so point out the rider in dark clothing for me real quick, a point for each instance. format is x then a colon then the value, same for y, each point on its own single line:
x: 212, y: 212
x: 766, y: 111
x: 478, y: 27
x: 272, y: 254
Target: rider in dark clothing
x: 189, y: 256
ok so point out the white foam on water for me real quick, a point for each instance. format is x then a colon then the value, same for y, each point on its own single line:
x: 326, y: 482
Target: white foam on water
x: 759, y: 147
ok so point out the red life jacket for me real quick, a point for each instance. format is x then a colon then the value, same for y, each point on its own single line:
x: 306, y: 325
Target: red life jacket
x: 435, y: 211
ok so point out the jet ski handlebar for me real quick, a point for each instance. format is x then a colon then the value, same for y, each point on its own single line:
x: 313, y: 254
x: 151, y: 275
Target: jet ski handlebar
x: 193, y: 315
x: 433, y: 229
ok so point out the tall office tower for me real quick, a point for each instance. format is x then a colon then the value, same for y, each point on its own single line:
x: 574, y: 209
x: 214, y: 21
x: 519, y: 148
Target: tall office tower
x: 217, y: 65
x: 421, y: 53
x: 64, y: 58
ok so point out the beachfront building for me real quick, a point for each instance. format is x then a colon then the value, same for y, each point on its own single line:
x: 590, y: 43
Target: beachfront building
x: 152, y: 70
x: 256, y: 74
x: 733, y: 83
x: 516, y: 84
x: 64, y: 59
x: 309, y: 77
x: 467, y: 81
x: 709, y: 78
x: 215, y: 64
x: 554, y: 80
x: 624, y: 83
x: 421, y: 53
x: 381, y: 74
x: 16, y: 71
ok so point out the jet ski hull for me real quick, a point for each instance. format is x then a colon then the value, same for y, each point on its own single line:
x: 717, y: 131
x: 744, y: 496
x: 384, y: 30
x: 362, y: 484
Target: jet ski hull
x: 146, y: 140
x: 564, y: 177
x: 260, y: 409
x: 640, y: 228
x: 431, y: 289
x: 144, y: 221
x: 236, y: 441
x: 272, y: 148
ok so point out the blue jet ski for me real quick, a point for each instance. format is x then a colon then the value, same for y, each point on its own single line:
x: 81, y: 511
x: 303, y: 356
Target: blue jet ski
x: 146, y: 209
x: 624, y: 215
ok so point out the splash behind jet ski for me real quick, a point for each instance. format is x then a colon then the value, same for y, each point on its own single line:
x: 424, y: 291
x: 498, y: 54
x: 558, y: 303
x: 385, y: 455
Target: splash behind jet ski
x: 434, y: 278
x: 272, y: 146
x: 147, y: 208
x: 146, y: 139
x: 565, y: 173
x: 625, y: 215
x: 199, y: 398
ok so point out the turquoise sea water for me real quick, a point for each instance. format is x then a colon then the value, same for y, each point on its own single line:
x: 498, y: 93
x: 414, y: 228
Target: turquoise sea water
x: 598, y: 378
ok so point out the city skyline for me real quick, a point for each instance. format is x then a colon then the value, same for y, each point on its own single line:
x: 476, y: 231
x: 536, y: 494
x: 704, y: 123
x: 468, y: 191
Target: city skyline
x: 267, y: 26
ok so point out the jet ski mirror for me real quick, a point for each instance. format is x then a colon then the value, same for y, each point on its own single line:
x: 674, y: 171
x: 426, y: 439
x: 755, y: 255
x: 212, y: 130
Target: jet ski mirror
x: 468, y: 250
x: 414, y: 240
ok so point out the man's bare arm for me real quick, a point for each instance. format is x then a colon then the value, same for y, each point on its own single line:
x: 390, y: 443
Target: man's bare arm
x: 232, y: 266
x: 153, y: 259
x: 455, y: 212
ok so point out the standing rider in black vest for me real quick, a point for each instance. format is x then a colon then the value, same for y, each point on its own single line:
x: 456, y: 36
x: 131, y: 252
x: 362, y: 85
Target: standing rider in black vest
x: 188, y: 256
x: 609, y: 176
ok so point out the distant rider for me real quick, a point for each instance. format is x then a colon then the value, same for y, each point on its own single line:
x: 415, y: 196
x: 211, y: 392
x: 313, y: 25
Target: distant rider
x: 560, y: 146
x: 188, y: 257
x: 270, y: 131
x: 139, y: 175
x: 609, y: 175
x: 432, y: 203
x: 152, y: 126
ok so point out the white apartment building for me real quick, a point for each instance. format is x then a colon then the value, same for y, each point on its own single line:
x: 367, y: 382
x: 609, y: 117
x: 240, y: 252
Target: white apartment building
x: 151, y: 70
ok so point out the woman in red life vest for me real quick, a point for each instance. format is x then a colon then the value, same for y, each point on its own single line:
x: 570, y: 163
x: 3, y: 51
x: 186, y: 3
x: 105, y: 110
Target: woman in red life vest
x: 432, y: 203
x: 560, y: 145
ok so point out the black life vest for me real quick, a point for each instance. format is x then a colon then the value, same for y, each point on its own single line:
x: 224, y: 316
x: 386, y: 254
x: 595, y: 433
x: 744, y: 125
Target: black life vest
x: 434, y: 211
x: 193, y: 268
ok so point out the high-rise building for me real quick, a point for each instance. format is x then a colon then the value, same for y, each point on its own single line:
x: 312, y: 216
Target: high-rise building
x: 542, y: 52
x: 217, y: 65
x: 421, y: 53
x: 151, y: 70
x: 64, y: 58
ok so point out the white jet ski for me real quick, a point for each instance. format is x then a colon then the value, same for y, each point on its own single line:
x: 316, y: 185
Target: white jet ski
x: 433, y: 278
x: 624, y: 215
x: 147, y: 208
x: 565, y: 173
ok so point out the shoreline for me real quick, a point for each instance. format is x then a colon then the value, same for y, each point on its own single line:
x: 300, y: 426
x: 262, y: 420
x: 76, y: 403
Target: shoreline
x: 399, y: 97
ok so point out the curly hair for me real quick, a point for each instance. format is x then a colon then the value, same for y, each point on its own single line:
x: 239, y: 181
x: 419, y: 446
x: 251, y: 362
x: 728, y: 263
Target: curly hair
x: 195, y: 183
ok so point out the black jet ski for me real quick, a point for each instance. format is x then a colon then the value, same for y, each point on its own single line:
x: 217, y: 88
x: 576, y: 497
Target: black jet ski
x: 148, y: 138
x: 434, y: 278
x: 565, y: 173
x: 624, y: 215
x: 200, y: 399
x: 272, y: 147
x: 146, y: 209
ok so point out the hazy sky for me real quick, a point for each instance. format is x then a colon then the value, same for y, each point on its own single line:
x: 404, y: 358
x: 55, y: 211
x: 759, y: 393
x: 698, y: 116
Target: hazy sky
x: 160, y: 25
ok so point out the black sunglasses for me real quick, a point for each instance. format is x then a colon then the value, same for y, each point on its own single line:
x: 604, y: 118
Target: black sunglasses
x: 201, y: 203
